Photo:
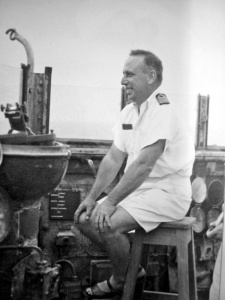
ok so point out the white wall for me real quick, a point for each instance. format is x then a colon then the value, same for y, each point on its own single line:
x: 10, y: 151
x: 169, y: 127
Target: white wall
x: 87, y: 41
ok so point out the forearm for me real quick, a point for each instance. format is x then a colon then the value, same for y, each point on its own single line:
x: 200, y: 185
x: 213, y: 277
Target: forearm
x: 131, y: 180
x: 137, y: 172
x: 106, y: 173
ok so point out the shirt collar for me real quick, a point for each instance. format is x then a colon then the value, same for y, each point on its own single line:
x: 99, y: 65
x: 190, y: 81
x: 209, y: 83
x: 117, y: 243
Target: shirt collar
x: 149, y: 101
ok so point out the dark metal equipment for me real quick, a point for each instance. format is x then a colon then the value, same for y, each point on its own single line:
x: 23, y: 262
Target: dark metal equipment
x: 17, y: 117
x: 32, y: 164
x: 36, y: 91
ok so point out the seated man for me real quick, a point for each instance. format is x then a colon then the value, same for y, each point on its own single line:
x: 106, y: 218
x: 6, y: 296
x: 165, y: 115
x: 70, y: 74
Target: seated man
x: 156, y: 184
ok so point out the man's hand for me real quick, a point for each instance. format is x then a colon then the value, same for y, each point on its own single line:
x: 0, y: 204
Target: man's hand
x: 215, y: 233
x: 103, y: 214
x: 87, y: 205
x: 216, y: 228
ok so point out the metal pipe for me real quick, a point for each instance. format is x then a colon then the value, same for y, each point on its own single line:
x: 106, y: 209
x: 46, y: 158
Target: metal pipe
x: 14, y: 35
x: 1, y: 154
x: 92, y: 166
x: 14, y: 247
x: 69, y: 263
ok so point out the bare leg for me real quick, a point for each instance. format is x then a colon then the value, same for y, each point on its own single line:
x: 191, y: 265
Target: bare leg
x: 118, y: 244
x: 88, y: 228
x: 115, y: 241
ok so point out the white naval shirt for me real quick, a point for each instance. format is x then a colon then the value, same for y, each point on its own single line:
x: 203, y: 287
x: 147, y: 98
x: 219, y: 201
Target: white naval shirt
x: 136, y: 130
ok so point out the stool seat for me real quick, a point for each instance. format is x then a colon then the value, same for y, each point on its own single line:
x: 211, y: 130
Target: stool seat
x: 179, y: 234
x: 185, y: 223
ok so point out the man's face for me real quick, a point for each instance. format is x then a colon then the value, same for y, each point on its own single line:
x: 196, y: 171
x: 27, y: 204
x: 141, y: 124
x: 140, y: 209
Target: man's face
x: 135, y: 80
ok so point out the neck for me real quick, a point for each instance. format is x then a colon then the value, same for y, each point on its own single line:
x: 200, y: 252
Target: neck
x: 146, y: 97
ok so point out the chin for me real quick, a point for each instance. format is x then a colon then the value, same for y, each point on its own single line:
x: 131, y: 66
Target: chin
x: 129, y: 101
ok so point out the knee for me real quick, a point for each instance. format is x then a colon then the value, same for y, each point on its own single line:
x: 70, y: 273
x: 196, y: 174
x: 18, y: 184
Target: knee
x: 82, y: 222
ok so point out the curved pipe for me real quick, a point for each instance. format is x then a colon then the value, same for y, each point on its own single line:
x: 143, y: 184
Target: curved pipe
x: 15, y: 248
x: 66, y: 261
x: 14, y: 35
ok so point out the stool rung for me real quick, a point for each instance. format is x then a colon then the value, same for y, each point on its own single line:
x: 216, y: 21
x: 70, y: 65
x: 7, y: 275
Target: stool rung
x: 163, y: 295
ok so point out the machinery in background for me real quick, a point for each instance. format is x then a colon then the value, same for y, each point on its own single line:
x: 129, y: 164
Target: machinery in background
x: 40, y: 258
x: 42, y: 182
x: 32, y: 164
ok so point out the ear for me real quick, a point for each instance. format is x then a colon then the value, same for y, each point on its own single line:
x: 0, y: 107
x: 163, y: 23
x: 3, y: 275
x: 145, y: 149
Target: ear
x: 152, y: 76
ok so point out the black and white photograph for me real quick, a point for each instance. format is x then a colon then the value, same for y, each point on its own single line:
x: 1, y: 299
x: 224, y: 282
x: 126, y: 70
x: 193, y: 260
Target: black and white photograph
x: 112, y: 149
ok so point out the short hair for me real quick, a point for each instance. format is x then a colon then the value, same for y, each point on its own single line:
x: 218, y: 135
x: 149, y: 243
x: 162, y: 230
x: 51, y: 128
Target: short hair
x: 151, y: 60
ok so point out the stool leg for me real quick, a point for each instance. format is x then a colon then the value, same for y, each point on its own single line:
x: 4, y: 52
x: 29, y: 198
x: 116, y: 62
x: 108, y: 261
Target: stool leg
x: 138, y: 293
x: 136, y: 251
x: 192, y: 271
x: 182, y: 260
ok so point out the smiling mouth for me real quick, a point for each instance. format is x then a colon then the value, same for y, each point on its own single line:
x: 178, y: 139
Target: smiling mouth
x: 128, y: 91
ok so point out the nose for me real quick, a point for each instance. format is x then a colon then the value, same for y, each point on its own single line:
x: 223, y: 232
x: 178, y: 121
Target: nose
x: 124, y: 81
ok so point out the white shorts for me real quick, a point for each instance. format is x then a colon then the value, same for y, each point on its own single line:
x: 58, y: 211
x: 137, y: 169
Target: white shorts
x: 149, y: 205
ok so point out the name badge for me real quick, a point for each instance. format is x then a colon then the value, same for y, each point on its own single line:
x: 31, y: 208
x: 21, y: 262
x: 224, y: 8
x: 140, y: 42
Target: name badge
x: 127, y: 126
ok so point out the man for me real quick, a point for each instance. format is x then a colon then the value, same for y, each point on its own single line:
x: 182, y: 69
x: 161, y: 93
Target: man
x: 155, y: 186
x: 216, y: 233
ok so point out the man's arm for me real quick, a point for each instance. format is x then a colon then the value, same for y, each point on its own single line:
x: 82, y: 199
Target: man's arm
x: 135, y: 175
x: 215, y: 233
x: 137, y: 172
x: 108, y: 170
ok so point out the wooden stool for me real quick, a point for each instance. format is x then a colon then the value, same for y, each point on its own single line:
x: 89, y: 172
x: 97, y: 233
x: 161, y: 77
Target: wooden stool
x: 179, y: 234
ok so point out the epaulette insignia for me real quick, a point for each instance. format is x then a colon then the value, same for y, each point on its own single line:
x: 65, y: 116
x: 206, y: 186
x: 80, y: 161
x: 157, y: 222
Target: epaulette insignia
x: 162, y: 99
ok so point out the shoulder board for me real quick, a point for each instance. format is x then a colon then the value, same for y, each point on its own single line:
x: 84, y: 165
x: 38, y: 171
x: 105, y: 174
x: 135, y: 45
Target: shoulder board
x: 162, y: 99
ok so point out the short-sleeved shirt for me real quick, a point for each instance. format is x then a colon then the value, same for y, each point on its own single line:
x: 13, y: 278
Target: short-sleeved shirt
x: 156, y: 120
x: 165, y: 195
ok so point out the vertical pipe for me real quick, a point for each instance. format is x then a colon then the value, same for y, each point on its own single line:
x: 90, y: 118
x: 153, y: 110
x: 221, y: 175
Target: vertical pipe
x: 123, y: 98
